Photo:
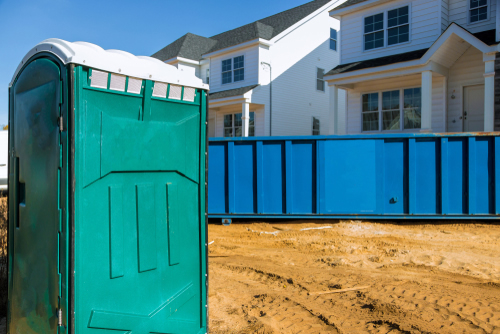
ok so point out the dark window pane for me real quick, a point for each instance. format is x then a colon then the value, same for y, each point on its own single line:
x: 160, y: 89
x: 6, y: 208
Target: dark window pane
x: 239, y: 75
x: 228, y: 120
x: 237, y: 119
x: 239, y: 62
x: 403, y: 10
x: 226, y: 77
x: 404, y: 38
x: 333, y: 34
x: 228, y: 132
x: 390, y: 120
x: 320, y: 73
x: 379, y: 43
x: 393, y: 32
x: 320, y: 85
x: 404, y: 29
x: 378, y: 26
x: 226, y: 65
x: 369, y: 37
x: 333, y: 45
x: 412, y: 118
x: 392, y: 22
x: 379, y: 17
x: 403, y: 19
x: 370, y: 122
x: 392, y: 14
x: 368, y: 20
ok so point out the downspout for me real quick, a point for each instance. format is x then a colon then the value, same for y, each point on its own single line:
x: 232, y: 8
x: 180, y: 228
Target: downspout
x: 270, y: 98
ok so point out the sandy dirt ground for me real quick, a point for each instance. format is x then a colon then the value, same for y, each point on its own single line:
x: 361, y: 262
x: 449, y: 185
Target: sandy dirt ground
x: 419, y: 278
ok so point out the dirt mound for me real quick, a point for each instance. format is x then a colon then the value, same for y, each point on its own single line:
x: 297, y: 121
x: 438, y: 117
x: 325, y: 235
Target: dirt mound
x: 420, y: 278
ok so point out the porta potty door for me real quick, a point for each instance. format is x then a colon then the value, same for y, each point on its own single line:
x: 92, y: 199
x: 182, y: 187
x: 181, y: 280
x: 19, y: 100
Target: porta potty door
x: 35, y: 217
x: 139, y: 206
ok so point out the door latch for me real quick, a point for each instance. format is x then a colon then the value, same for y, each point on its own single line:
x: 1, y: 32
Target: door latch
x: 60, y: 123
x: 59, y: 317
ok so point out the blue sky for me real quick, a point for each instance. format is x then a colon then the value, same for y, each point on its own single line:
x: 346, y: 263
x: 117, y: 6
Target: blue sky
x: 139, y: 27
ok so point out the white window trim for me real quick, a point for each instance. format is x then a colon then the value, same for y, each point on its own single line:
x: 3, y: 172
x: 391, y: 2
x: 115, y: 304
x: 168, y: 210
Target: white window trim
x: 207, y: 76
x: 232, y: 70
x: 386, y: 29
x: 316, y: 80
x: 380, y: 111
x: 233, y: 129
x: 488, y: 14
x: 336, y: 40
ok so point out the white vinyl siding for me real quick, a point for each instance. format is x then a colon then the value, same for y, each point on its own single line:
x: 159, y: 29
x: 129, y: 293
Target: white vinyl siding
x: 424, y: 29
x: 467, y: 71
x: 251, y: 77
x: 459, y: 13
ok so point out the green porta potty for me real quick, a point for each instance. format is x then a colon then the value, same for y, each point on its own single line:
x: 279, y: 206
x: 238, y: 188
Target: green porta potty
x: 107, y: 220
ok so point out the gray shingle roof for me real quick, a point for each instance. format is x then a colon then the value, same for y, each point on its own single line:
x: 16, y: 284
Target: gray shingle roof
x: 349, y: 3
x: 193, y: 46
x: 376, y: 62
x: 231, y: 92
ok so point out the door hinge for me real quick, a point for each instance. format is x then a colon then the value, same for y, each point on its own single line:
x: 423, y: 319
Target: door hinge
x: 59, y: 317
x: 61, y: 123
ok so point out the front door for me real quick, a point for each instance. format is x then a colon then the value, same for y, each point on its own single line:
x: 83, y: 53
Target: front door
x: 34, y: 199
x: 473, y: 108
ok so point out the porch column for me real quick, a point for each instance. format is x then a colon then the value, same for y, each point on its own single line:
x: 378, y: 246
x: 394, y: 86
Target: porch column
x: 426, y: 108
x: 334, y: 110
x: 245, y: 118
x: 489, y: 95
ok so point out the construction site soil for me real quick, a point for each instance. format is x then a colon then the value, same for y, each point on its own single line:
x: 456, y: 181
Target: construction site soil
x: 407, y: 278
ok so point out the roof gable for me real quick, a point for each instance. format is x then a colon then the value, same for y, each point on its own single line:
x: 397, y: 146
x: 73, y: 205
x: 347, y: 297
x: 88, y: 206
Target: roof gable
x: 192, y: 46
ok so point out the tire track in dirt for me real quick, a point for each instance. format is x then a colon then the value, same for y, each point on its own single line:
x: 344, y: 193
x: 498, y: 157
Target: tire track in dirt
x: 264, y: 281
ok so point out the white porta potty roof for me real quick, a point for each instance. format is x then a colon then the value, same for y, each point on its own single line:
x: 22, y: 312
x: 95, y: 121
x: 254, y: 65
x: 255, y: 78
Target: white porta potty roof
x: 114, y: 61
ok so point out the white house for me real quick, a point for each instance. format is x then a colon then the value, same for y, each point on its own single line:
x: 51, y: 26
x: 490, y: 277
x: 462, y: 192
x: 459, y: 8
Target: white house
x: 266, y: 77
x: 416, y: 65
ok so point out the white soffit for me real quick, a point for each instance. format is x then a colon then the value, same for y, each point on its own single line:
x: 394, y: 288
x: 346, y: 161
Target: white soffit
x: 114, y: 61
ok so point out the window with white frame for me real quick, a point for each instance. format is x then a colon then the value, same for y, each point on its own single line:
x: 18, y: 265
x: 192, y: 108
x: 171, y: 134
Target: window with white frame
x: 333, y: 39
x: 233, y: 70
x: 227, y: 71
x: 233, y: 125
x: 320, y: 81
x: 398, y: 26
x: 374, y: 31
x: 315, y: 126
x: 478, y: 10
x: 392, y: 110
x: 208, y: 76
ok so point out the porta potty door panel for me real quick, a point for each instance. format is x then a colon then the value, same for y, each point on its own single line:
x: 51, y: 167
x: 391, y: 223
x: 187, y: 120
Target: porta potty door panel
x: 34, y: 213
x: 138, y: 221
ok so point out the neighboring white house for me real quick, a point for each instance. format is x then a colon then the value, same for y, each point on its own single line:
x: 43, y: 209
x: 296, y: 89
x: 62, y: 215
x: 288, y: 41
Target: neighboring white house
x: 266, y: 78
x: 416, y: 65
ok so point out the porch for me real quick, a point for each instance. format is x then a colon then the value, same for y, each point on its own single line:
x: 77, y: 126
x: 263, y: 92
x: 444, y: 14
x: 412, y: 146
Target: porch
x: 235, y: 113
x: 446, y: 88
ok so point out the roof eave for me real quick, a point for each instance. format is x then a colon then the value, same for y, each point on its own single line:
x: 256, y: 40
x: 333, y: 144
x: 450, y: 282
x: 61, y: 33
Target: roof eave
x: 182, y: 59
x: 337, y: 13
x: 253, y: 42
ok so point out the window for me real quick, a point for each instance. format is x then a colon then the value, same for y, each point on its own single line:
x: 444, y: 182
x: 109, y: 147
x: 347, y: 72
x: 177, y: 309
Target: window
x: 227, y: 73
x: 398, y: 26
x: 320, y: 82
x: 398, y: 110
x: 370, y: 112
x: 412, y: 111
x: 333, y: 39
x: 374, y: 31
x: 239, y: 70
x: 233, y: 70
x: 315, y: 126
x: 390, y: 110
x: 208, y: 75
x: 233, y: 125
x: 478, y: 10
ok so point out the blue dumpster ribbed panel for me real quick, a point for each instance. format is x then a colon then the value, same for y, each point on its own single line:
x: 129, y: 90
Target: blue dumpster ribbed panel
x: 376, y: 176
